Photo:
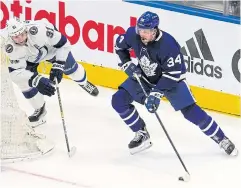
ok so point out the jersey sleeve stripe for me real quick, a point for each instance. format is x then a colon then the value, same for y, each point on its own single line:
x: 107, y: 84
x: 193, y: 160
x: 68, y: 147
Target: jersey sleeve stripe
x: 170, y: 77
x: 175, y: 77
x: 174, y: 72
x: 61, y: 42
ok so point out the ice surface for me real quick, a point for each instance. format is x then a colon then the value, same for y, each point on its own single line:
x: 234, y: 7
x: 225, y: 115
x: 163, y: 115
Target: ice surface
x: 103, y: 160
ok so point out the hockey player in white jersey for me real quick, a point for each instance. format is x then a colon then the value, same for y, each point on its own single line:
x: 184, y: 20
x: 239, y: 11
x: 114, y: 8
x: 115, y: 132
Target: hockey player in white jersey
x: 27, y: 44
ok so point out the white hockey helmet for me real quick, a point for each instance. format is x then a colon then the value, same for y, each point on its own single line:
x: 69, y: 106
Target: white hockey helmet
x: 15, y: 27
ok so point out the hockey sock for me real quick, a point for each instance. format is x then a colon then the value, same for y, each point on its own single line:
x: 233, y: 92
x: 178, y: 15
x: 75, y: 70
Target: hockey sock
x: 132, y: 119
x: 208, y: 126
x: 35, y: 98
x: 75, y: 71
x: 121, y: 102
x: 79, y: 75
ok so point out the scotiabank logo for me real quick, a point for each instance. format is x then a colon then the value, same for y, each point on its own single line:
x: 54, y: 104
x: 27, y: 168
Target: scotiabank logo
x: 200, y: 61
x: 80, y: 29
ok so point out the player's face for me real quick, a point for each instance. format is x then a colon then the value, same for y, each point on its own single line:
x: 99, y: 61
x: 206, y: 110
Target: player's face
x: 147, y: 35
x: 20, y: 39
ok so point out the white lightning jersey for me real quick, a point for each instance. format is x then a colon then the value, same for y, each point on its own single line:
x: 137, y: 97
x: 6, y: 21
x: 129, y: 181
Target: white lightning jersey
x: 44, y: 42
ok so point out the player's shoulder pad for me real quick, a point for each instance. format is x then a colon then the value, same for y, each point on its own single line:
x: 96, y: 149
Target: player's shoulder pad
x: 37, y: 32
x: 36, y: 29
x: 169, y: 39
x: 42, y: 29
x: 130, y: 34
x: 168, y: 43
x: 131, y: 31
x: 13, y: 51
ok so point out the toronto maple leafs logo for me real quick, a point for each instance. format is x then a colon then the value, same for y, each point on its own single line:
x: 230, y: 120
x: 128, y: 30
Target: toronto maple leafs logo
x: 148, y: 67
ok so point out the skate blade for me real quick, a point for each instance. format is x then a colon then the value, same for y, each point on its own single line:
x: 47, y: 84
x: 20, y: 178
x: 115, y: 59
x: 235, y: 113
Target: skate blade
x: 95, y: 92
x: 37, y: 123
x: 145, y: 145
x: 234, y: 152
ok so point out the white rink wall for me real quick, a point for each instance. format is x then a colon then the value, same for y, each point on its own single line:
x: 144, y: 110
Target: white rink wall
x: 92, y: 27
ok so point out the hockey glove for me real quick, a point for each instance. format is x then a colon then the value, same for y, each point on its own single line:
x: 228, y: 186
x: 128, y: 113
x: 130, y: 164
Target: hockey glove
x: 57, y: 71
x: 130, y: 68
x: 44, y: 85
x: 153, y: 100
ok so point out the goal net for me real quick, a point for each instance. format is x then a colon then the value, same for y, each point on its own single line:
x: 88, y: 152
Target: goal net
x: 18, y: 140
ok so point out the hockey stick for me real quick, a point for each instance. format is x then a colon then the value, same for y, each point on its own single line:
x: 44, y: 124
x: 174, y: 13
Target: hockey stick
x: 71, y: 151
x: 186, y: 177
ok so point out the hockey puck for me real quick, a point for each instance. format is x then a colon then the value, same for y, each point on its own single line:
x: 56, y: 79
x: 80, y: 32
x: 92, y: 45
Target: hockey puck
x: 181, y: 179
x: 185, y: 178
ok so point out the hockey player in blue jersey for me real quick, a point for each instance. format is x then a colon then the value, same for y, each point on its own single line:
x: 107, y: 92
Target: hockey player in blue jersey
x: 162, y: 71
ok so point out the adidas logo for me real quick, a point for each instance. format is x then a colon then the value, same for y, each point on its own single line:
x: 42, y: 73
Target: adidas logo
x: 198, y: 57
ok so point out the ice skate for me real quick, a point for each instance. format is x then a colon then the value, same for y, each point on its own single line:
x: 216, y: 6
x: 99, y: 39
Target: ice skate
x: 91, y: 89
x: 228, y: 147
x: 38, y: 117
x: 140, y: 142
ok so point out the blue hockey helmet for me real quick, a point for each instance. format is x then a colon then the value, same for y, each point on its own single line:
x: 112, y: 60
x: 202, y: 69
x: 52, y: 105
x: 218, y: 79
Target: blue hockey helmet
x: 148, y: 20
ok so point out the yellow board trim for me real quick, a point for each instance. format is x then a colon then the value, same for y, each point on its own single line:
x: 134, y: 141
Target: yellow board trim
x: 209, y: 99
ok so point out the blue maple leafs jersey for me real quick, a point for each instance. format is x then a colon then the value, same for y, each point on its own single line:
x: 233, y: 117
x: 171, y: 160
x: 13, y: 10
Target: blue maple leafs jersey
x: 161, y: 61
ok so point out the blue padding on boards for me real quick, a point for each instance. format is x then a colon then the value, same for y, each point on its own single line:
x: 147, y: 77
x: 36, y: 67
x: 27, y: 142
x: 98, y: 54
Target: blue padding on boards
x: 188, y: 10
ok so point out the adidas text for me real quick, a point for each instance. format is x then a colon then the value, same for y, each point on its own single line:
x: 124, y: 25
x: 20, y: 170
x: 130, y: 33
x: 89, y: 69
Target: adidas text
x: 200, y: 67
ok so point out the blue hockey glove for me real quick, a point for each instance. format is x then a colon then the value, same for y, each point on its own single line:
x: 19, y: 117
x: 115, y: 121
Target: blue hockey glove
x: 57, y: 71
x: 153, y: 100
x: 130, y: 68
x: 44, y: 85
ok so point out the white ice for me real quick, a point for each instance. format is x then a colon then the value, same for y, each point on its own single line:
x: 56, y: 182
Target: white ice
x: 103, y: 160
